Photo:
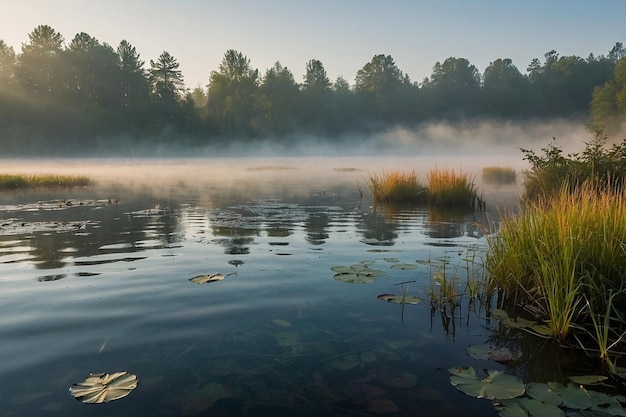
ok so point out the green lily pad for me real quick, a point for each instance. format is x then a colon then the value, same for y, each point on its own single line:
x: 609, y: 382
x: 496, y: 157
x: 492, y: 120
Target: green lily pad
x: 400, y: 299
x: 391, y: 260
x: 573, y: 396
x: 588, y: 379
x: 102, y: 388
x: 527, y: 407
x: 404, y: 267
x: 203, y: 279
x: 354, y: 278
x: 499, y: 314
x: 497, y: 385
x: 498, y: 354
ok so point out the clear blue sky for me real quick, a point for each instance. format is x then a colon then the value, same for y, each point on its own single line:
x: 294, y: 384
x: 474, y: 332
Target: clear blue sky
x: 343, y: 34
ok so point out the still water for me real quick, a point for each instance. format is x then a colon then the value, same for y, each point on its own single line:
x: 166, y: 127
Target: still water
x: 98, y: 280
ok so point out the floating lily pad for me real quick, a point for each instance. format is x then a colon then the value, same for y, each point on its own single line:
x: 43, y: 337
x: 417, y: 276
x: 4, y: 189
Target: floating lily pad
x: 102, y: 388
x: 527, y: 407
x: 404, y: 267
x: 391, y: 260
x: 588, y: 379
x: 497, y: 385
x: 354, y: 278
x: 359, y: 273
x: 203, y: 279
x: 498, y: 354
x: 400, y: 299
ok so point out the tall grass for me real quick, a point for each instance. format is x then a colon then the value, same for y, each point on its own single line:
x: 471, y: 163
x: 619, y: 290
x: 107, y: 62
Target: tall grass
x: 18, y: 181
x: 451, y: 189
x: 562, y: 250
x: 397, y: 187
x: 499, y: 175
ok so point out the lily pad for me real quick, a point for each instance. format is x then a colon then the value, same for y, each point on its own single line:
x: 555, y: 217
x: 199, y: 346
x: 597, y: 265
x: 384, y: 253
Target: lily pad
x: 588, y: 379
x: 498, y: 354
x: 400, y: 299
x: 497, y: 385
x: 102, y: 388
x: 354, y: 278
x: 527, y: 407
x: 404, y: 267
x: 203, y: 279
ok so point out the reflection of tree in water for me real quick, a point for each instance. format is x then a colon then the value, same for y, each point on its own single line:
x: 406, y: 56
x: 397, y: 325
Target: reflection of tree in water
x: 448, y: 224
x: 316, y: 226
x: 47, y: 250
x: 377, y: 230
x: 237, y: 241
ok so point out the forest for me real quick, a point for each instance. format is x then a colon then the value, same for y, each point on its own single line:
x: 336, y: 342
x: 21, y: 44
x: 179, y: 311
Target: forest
x: 61, y: 97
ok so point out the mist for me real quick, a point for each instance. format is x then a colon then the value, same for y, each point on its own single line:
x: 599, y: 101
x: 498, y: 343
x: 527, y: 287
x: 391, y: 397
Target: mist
x: 478, y: 137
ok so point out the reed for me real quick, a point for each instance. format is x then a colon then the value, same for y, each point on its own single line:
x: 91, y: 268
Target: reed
x: 562, y: 250
x: 451, y: 189
x: 499, y: 175
x: 397, y: 187
x: 19, y: 181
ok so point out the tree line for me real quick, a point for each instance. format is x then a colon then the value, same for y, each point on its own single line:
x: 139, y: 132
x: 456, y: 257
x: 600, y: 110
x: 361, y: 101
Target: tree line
x: 84, y: 93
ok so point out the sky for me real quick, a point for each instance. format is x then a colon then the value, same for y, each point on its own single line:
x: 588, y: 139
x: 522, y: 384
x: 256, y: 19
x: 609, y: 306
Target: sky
x: 343, y: 34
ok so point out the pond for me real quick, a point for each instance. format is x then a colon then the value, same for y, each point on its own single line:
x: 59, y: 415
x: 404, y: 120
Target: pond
x: 101, y: 279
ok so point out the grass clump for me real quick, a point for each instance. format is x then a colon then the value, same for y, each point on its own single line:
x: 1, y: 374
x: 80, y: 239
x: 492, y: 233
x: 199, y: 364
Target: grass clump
x: 563, y: 256
x: 450, y: 189
x: 499, y: 175
x: 19, y: 181
x: 397, y: 187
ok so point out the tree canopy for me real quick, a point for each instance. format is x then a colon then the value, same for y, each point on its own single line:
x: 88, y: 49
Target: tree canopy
x: 79, y: 95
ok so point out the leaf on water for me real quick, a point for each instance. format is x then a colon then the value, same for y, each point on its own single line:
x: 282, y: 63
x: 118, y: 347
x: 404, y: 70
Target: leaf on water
x: 203, y: 279
x: 497, y: 385
x: 527, y: 407
x: 499, y: 314
x: 356, y: 274
x: 102, y: 388
x: 573, y: 396
x: 391, y: 260
x: 404, y: 267
x: 588, y: 379
x: 478, y: 351
x: 354, y: 278
x: 542, y: 392
x: 400, y: 299
x: 503, y: 354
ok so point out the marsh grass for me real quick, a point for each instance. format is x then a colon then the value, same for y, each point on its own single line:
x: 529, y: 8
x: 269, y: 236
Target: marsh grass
x: 451, y: 189
x: 499, y: 175
x: 19, y: 181
x: 397, y: 187
x: 562, y: 250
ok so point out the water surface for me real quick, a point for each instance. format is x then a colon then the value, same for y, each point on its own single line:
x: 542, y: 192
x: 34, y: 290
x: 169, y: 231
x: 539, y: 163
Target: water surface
x: 97, y: 280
